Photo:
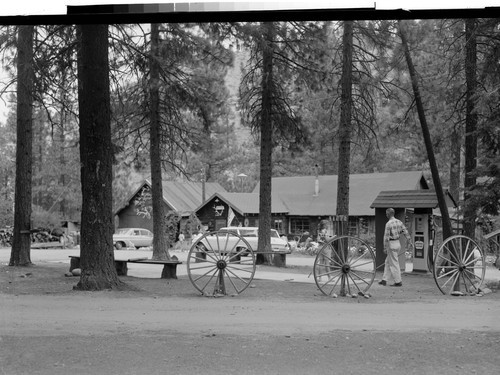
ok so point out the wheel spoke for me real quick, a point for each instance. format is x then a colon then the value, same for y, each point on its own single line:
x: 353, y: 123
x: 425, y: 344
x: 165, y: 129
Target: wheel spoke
x: 236, y: 269
x: 235, y: 255
x: 361, y: 264
x: 447, y: 273
x: 214, y: 257
x: 460, y: 258
x: 221, y: 266
x: 467, y: 260
x: 346, y: 270
x: 465, y: 277
x: 452, y: 253
x: 235, y: 246
x: 335, y: 271
x: 453, y: 278
x: 213, y: 269
x: 204, y: 250
x: 345, y: 280
x: 332, y: 260
x: 232, y: 283
x: 460, y: 249
x: 361, y: 278
x: 209, y: 280
x: 334, y: 285
x: 467, y: 249
x: 343, y: 251
x: 349, y: 275
x: 352, y: 261
x: 228, y: 272
x: 454, y: 264
x: 468, y: 273
x: 203, y: 266
x: 470, y: 262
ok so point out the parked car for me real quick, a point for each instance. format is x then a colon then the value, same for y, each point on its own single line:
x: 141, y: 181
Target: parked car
x: 136, y: 237
x: 250, y: 234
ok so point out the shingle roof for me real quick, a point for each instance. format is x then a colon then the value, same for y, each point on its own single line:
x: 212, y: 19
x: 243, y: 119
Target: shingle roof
x: 297, y: 193
x: 186, y: 196
x: 183, y: 197
x: 406, y: 199
x: 248, y: 203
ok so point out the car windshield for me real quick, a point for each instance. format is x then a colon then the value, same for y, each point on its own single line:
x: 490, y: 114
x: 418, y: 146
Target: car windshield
x: 122, y: 231
x: 274, y: 233
x: 248, y: 233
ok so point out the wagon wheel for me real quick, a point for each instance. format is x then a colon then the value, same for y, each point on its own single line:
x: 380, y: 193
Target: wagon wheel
x: 459, y: 266
x: 344, y: 266
x: 221, y: 263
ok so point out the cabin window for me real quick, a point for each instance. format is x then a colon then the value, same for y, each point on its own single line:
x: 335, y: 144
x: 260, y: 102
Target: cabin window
x: 299, y: 225
x: 353, y: 226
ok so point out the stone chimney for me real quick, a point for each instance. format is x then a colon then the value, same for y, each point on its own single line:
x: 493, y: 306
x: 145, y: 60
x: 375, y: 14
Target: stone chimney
x: 203, y: 188
x: 316, y: 181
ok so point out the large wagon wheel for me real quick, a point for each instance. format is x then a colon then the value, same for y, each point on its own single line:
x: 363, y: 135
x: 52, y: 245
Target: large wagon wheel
x: 459, y: 266
x: 221, y: 263
x: 344, y: 266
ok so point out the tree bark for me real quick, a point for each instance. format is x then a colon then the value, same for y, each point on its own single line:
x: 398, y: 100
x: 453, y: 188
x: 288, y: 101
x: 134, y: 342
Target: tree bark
x: 62, y: 151
x: 456, y: 147
x: 96, y: 157
x: 447, y: 228
x: 345, y: 128
x: 470, y: 125
x: 160, y: 241
x: 21, y: 244
x: 266, y: 143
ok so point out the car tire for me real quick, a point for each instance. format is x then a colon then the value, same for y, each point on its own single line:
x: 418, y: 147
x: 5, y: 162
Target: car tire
x: 119, y: 245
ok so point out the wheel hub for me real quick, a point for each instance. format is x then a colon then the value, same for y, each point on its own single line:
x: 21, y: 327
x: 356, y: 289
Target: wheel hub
x: 221, y: 264
x: 346, y: 268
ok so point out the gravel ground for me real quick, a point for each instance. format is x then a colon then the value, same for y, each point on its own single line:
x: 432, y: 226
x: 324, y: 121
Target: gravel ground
x: 273, y: 327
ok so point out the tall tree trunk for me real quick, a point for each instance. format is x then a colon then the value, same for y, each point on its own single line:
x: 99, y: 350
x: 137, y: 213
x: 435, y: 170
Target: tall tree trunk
x: 447, y: 228
x: 160, y: 240
x: 345, y: 129
x: 38, y: 179
x: 456, y: 148
x: 21, y: 244
x: 62, y: 176
x: 470, y: 124
x: 96, y: 157
x: 62, y: 140
x: 266, y: 142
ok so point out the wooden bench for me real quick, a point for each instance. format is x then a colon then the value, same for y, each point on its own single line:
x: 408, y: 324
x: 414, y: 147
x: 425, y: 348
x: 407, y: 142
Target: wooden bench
x: 278, y: 258
x: 47, y: 245
x: 169, y: 266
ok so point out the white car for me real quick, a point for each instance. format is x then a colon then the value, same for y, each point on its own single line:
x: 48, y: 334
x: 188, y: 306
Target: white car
x: 132, y: 237
x: 251, y: 234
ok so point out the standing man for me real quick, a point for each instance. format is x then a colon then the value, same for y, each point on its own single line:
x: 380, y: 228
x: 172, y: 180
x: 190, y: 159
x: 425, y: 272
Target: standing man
x: 393, y: 229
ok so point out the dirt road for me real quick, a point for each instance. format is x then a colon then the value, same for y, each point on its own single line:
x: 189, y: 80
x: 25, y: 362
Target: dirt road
x: 272, y: 328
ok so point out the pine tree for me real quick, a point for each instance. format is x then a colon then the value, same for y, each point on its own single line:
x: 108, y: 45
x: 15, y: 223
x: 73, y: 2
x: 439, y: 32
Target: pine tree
x: 96, y: 155
x: 21, y: 246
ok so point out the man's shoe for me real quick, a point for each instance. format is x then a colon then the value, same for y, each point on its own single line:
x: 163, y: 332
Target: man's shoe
x: 382, y: 282
x: 397, y: 284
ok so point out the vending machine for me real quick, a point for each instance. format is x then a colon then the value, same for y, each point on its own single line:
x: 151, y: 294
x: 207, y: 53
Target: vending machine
x: 421, y: 242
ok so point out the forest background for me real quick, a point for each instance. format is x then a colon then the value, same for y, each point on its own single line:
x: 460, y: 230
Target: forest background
x: 209, y: 132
